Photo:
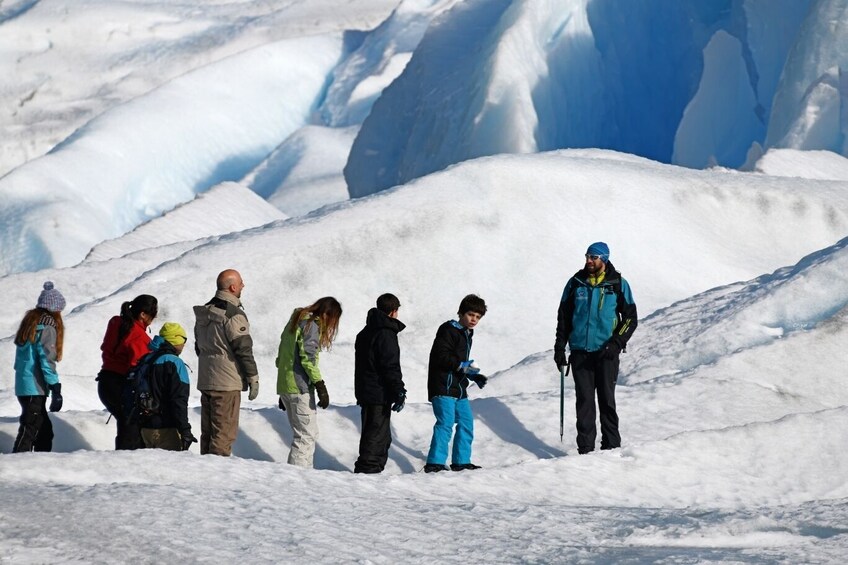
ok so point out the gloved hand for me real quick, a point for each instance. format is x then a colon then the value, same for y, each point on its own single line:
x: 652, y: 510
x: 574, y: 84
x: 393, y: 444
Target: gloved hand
x: 399, y: 403
x: 560, y: 359
x: 281, y: 405
x: 187, y: 440
x: 56, y: 397
x: 481, y: 380
x: 610, y: 350
x: 254, y: 389
x: 468, y: 367
x: 323, y: 395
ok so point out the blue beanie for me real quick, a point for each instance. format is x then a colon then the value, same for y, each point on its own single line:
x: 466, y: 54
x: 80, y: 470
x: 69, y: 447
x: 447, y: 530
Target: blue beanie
x: 601, y: 249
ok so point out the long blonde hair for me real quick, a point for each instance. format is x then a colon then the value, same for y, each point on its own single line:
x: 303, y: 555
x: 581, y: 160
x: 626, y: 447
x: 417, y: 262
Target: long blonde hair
x: 326, y: 311
x: 29, y: 326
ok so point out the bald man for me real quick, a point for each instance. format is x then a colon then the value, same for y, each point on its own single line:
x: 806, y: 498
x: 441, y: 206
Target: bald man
x: 226, y: 364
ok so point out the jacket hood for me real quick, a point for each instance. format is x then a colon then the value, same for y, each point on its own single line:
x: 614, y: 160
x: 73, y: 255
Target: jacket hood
x: 378, y: 319
x: 205, y: 315
x: 229, y: 297
x: 158, y: 342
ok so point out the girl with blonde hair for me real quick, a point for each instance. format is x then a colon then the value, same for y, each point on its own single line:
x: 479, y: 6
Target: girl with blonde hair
x: 308, y: 331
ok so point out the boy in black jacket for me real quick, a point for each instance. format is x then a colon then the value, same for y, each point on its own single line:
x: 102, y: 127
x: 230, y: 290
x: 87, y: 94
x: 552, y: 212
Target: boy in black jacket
x: 378, y: 382
x: 450, y: 371
x: 168, y: 427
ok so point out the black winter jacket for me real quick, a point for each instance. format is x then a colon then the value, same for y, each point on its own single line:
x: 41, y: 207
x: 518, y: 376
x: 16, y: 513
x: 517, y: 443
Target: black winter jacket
x: 451, y: 347
x: 168, y: 389
x: 377, y: 374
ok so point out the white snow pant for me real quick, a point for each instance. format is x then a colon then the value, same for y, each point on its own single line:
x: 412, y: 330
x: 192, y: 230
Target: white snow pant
x: 303, y: 418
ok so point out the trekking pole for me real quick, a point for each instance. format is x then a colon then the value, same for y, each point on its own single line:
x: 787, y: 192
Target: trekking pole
x: 562, y: 372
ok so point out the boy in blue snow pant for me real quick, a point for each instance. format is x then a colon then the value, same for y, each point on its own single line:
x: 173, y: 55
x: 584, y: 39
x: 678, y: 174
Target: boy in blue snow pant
x: 450, y: 411
x: 450, y: 371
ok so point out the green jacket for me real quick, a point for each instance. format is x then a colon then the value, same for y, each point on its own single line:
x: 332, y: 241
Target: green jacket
x: 297, y: 358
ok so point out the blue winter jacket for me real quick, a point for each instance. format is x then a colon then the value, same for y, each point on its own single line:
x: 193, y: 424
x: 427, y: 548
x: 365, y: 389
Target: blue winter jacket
x: 35, y: 363
x: 169, y: 384
x: 589, y: 316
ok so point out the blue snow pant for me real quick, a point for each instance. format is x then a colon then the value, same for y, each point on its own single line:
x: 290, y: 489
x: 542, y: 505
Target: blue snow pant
x: 450, y: 411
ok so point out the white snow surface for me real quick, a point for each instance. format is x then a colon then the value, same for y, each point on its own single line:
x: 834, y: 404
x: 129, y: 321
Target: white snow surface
x: 235, y: 118
x: 225, y: 208
x: 716, y: 372
x: 824, y: 165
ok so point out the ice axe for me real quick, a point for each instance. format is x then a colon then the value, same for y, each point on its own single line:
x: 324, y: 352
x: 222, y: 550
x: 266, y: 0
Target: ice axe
x: 563, y: 371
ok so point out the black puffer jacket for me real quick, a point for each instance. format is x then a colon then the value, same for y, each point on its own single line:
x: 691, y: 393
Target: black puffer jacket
x: 451, y: 347
x: 377, y: 377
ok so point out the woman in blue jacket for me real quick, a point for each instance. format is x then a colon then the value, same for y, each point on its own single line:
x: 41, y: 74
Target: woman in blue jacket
x: 39, y: 348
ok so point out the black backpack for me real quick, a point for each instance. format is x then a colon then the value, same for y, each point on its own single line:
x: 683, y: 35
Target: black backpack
x: 139, y: 401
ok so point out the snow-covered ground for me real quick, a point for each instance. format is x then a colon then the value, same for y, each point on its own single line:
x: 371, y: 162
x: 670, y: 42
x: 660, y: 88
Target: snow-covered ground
x: 731, y: 395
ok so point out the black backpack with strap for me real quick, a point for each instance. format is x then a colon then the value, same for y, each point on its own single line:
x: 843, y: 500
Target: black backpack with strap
x: 139, y: 400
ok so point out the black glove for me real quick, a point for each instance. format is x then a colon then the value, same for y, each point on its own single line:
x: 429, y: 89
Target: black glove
x: 187, y: 439
x: 281, y: 405
x: 323, y: 395
x: 398, y: 404
x: 610, y: 350
x: 560, y: 359
x: 481, y: 380
x: 56, y: 395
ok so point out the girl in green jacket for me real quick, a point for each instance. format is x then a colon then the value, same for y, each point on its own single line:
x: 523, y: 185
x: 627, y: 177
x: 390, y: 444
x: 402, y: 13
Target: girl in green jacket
x: 308, y: 331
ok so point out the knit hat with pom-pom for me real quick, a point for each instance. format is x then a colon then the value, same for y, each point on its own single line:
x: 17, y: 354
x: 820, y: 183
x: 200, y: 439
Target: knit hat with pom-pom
x: 51, y: 299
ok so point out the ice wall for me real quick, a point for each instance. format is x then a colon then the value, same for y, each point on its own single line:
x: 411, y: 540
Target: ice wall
x: 687, y: 82
x: 810, y: 103
x: 511, y: 76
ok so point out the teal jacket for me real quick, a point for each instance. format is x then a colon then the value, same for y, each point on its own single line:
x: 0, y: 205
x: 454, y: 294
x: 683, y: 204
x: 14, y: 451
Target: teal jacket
x: 589, y: 316
x: 35, y: 362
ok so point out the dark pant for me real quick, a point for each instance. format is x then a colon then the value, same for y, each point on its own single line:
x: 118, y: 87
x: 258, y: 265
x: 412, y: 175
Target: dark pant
x: 592, y: 373
x: 36, y: 430
x: 376, y: 438
x: 110, y: 388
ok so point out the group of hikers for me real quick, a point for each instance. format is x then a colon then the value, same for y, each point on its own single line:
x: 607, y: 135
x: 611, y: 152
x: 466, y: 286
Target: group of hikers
x: 596, y: 318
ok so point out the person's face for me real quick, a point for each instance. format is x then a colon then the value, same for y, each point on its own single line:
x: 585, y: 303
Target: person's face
x: 146, y: 319
x: 594, y: 264
x: 393, y: 314
x: 179, y: 348
x: 470, y: 319
x: 237, y: 287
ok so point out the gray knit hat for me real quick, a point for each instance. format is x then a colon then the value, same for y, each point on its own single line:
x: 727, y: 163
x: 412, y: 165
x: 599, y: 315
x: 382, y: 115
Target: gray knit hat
x: 51, y: 299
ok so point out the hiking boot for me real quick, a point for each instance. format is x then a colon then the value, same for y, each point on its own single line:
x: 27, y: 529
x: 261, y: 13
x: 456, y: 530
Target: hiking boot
x: 434, y: 468
x: 465, y: 467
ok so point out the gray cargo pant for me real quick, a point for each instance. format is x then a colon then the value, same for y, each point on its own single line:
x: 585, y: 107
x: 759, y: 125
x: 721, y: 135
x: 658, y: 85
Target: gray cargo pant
x: 300, y: 408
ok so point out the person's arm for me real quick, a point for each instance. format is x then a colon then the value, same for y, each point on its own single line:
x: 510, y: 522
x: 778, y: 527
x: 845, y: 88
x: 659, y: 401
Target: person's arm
x: 627, y: 314
x: 387, y: 361
x: 443, y: 354
x: 179, y: 391
x: 136, y: 346
x: 308, y: 347
x: 565, y: 315
x: 46, y: 348
x: 237, y: 330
